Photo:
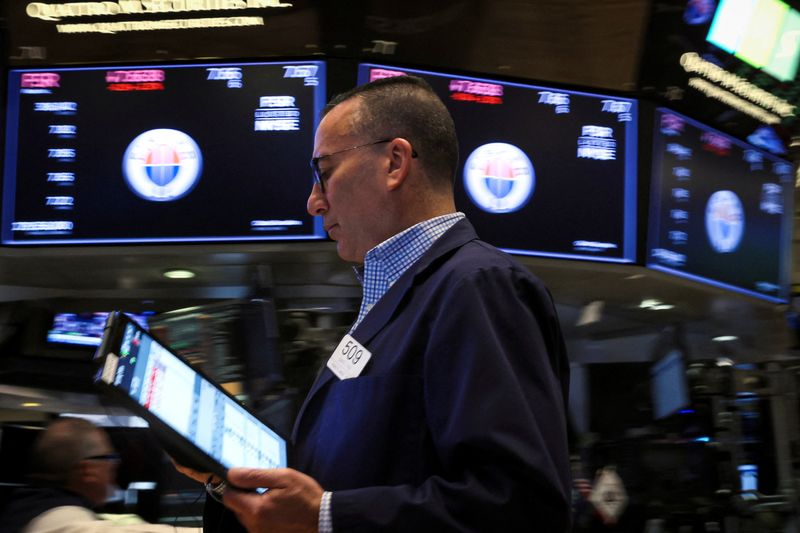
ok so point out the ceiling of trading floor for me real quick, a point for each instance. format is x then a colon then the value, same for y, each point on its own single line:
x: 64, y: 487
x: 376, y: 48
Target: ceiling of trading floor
x: 629, y: 46
x: 510, y: 37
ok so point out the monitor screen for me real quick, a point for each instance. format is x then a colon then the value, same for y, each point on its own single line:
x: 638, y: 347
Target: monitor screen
x: 721, y: 210
x: 167, y: 390
x: 83, y: 329
x: 762, y: 33
x: 160, y: 153
x: 542, y: 171
x: 669, y: 385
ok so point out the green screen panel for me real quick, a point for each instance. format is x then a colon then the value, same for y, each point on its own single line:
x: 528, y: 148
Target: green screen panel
x: 759, y: 40
x: 786, y: 55
x: 730, y: 23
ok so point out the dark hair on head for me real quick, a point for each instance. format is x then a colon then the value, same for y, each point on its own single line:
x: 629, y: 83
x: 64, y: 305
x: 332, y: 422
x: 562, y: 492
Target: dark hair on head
x: 407, y: 107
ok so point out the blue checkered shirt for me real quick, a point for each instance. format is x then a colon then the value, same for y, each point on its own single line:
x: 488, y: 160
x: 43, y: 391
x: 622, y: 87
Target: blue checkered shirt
x: 384, y: 264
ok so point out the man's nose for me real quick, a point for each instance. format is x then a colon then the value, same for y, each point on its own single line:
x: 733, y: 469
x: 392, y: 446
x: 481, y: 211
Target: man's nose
x: 317, y: 203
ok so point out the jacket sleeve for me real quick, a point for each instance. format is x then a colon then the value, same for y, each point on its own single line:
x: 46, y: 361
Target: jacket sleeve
x: 495, y: 388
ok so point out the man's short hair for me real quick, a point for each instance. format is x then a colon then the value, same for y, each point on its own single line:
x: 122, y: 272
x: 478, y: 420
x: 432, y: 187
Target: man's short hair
x: 61, y: 446
x: 407, y: 107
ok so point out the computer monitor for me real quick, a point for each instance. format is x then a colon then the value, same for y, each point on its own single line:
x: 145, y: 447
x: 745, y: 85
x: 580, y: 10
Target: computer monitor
x: 83, y: 329
x: 720, y: 211
x: 544, y: 171
x: 160, y: 153
x: 669, y: 385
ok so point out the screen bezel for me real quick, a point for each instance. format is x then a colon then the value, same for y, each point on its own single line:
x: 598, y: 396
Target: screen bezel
x: 184, y: 451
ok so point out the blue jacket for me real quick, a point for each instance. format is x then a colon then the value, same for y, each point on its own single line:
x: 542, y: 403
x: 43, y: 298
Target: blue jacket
x: 458, y: 421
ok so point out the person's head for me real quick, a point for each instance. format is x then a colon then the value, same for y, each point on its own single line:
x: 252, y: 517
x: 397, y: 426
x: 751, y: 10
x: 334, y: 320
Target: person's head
x: 386, y: 153
x: 74, y: 454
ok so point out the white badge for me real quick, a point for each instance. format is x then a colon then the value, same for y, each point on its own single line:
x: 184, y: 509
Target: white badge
x: 349, y: 358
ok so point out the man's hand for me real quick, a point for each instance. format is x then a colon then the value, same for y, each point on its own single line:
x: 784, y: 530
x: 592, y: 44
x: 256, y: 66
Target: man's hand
x: 291, y: 504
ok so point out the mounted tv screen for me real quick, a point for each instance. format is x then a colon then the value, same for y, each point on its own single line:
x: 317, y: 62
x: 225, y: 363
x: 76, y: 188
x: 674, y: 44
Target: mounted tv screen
x: 762, y: 33
x: 721, y: 210
x: 84, y: 329
x: 669, y: 385
x: 543, y: 171
x: 169, y: 153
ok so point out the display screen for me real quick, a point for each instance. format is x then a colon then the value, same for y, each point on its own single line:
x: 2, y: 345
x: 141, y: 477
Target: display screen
x: 160, y: 153
x: 762, y: 33
x: 542, y: 171
x: 669, y: 385
x: 83, y: 329
x: 721, y: 210
x: 171, y: 390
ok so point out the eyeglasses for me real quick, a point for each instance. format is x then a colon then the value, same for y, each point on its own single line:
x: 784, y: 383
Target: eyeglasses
x: 114, y: 457
x: 315, y: 160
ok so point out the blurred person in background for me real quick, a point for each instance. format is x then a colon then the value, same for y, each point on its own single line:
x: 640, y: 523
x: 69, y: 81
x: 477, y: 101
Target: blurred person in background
x: 73, y: 469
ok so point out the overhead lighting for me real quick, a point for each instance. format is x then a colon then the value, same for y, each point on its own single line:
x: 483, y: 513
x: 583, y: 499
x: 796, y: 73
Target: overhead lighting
x: 31, y: 404
x: 655, y: 305
x: 725, y: 338
x: 591, y: 313
x: 179, y: 273
x: 185, y: 309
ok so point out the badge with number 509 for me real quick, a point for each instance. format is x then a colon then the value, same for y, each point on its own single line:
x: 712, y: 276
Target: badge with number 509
x: 349, y: 358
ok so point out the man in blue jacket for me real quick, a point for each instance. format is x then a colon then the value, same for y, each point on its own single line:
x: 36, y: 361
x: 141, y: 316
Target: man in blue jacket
x: 444, y: 408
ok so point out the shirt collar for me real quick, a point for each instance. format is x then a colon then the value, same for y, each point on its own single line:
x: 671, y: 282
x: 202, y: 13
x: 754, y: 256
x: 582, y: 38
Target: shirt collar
x: 386, y: 262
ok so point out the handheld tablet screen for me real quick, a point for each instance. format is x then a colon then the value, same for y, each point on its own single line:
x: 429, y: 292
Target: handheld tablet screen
x: 174, y: 392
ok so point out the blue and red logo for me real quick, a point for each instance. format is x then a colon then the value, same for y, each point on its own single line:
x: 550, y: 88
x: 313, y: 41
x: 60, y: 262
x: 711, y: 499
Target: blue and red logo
x: 725, y: 221
x: 162, y: 165
x: 499, y: 177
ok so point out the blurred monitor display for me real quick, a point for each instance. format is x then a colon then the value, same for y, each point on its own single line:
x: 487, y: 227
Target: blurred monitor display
x: 748, y: 478
x: 721, y: 210
x: 83, y: 329
x: 762, y: 33
x: 542, y: 171
x: 669, y: 385
x: 165, y: 153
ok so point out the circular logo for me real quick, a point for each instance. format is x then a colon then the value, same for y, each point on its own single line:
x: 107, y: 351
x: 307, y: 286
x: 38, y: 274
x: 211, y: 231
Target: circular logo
x: 724, y: 221
x: 162, y: 165
x: 499, y: 177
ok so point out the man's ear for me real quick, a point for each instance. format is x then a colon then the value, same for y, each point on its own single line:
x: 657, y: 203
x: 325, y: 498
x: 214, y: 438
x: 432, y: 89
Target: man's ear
x: 400, y: 157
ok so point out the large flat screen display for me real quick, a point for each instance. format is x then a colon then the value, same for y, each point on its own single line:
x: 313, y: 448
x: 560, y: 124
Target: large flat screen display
x: 721, y: 210
x: 543, y: 171
x: 160, y: 153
